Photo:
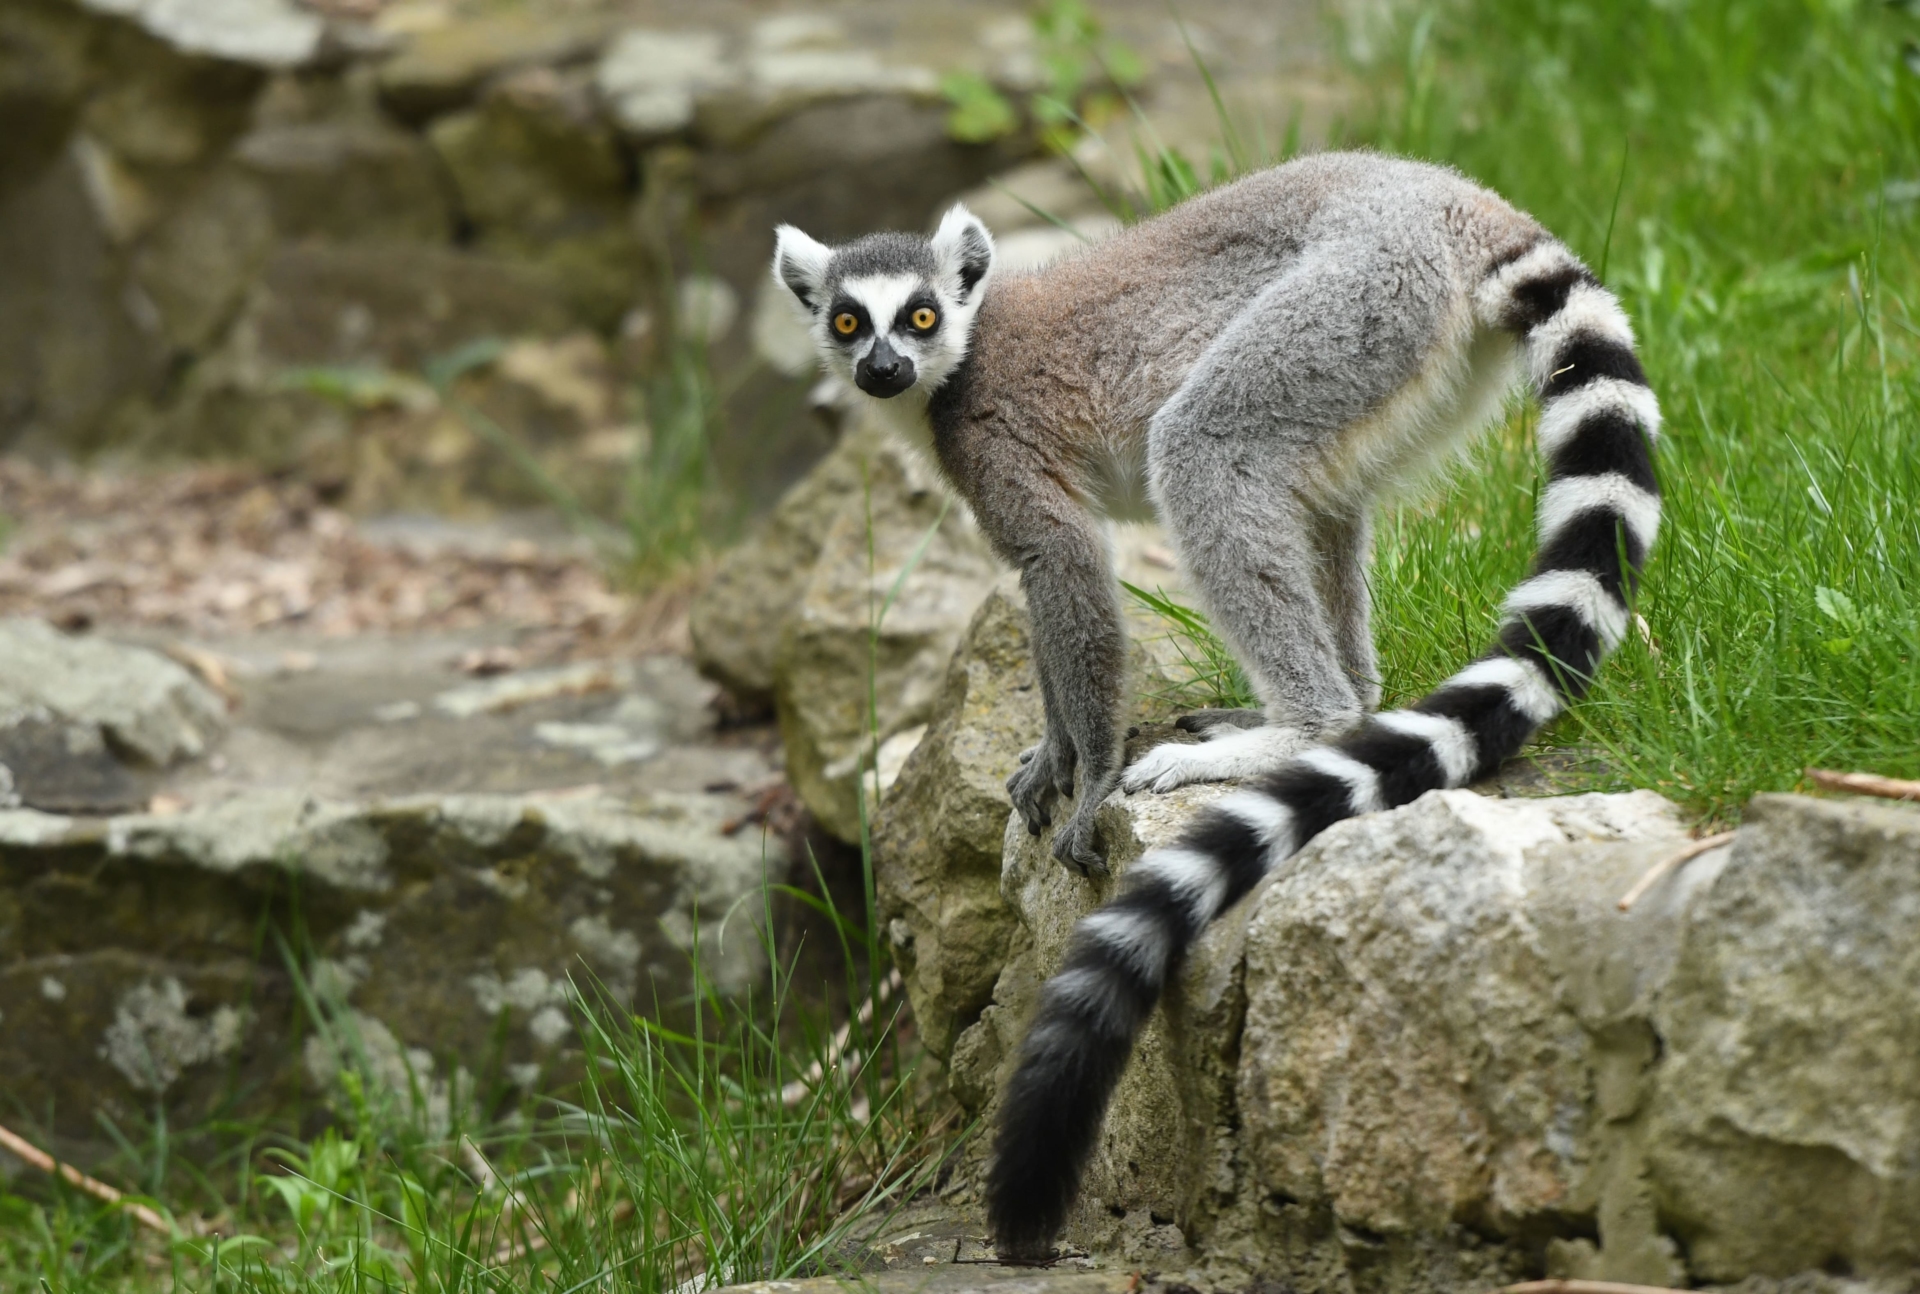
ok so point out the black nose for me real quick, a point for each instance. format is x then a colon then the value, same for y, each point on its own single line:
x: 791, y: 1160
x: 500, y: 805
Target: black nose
x: 885, y: 372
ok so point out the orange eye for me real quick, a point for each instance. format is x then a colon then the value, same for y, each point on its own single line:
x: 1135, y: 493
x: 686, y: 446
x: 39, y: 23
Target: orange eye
x: 924, y: 318
x: 846, y: 324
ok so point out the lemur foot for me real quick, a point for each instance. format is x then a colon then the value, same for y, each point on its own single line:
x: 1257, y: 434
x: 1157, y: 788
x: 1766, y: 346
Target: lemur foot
x: 1206, y: 721
x: 1045, y: 774
x: 1231, y: 753
x: 1077, y: 844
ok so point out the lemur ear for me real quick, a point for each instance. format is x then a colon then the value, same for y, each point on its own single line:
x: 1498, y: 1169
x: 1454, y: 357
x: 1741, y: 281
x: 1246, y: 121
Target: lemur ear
x: 800, y: 265
x: 964, y: 248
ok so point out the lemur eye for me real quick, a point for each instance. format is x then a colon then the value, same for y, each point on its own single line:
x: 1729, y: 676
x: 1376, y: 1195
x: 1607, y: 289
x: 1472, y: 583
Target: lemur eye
x: 846, y: 324
x: 924, y: 318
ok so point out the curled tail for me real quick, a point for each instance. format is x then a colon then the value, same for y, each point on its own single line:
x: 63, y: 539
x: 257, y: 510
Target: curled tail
x: 1597, y: 519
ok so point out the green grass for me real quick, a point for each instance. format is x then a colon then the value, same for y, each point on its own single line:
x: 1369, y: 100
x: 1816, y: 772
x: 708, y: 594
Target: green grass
x: 1214, y: 679
x: 1745, y: 174
x: 683, y: 1159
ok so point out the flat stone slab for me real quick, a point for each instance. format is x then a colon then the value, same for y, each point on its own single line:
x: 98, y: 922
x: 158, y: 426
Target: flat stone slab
x: 386, y: 858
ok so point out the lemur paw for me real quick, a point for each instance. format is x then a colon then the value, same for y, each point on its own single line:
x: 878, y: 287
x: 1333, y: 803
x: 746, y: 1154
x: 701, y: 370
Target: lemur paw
x: 1044, y: 775
x: 1230, y: 753
x: 1077, y: 844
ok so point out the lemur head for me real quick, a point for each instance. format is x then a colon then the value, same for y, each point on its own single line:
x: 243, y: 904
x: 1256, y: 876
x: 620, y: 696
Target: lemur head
x: 891, y: 311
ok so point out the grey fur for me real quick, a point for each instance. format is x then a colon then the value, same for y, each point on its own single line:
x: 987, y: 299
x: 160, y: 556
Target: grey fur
x: 1273, y: 355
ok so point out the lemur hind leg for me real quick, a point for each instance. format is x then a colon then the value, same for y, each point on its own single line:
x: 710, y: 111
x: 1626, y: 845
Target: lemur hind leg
x: 1345, y: 545
x: 1239, y: 461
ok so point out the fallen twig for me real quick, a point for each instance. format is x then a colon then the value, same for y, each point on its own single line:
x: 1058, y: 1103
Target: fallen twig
x: 1584, y: 1287
x: 1627, y: 900
x: 210, y: 668
x: 40, y: 1159
x: 1887, y: 788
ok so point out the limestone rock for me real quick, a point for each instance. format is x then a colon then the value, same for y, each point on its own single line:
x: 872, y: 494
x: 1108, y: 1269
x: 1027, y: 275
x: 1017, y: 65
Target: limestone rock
x: 74, y: 343
x: 198, y: 264
x: 1430, y: 1046
x: 43, y: 81
x: 162, y: 106
x: 396, y: 307
x: 897, y: 554
x: 661, y: 82
x: 380, y: 306
x: 348, y: 179
x: 736, y: 620
x: 1429, y: 1050
x: 649, y: 78
x: 540, y: 176
x: 260, y: 33
x: 132, y: 967
x: 137, y: 700
x: 443, y: 68
x: 937, y: 838
x: 1784, y: 1133
x: 532, y: 158
x: 1434, y: 996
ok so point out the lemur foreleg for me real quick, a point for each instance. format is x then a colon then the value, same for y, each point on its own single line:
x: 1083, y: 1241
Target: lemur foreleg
x: 1079, y: 650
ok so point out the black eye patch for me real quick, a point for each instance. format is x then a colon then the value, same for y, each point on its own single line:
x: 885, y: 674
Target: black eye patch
x: 905, y: 321
x: 847, y: 320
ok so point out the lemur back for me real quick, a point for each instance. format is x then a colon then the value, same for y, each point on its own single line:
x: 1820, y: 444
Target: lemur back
x: 1273, y: 356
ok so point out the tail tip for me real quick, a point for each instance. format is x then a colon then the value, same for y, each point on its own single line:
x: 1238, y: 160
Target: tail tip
x: 1025, y: 1212
x: 1022, y: 1240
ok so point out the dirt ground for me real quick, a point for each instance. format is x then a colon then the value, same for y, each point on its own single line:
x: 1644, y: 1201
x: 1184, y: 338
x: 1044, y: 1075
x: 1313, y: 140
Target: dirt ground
x: 217, y: 551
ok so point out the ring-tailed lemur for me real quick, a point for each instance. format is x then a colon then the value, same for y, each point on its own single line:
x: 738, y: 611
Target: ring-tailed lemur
x: 1268, y: 357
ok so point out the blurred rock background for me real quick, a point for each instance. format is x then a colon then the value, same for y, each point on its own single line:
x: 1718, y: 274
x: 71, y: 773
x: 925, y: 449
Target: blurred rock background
x: 423, y: 529
x: 444, y: 255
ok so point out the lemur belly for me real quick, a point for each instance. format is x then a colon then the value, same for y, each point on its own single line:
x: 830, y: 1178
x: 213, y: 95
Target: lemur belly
x: 1458, y: 390
x: 1117, y: 480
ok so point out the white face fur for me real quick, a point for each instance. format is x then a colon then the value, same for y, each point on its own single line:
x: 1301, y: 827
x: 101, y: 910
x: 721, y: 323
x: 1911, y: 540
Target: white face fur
x: 891, y: 312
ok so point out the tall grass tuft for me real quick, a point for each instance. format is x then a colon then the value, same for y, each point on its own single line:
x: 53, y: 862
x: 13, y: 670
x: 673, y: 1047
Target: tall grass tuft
x: 758, y: 1142
x: 667, y: 511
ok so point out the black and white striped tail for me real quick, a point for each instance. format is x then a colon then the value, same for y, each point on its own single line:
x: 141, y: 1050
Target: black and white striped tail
x: 1597, y: 520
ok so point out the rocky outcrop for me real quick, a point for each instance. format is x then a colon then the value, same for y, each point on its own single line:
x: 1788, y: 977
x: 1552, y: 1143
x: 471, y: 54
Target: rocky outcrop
x: 137, y: 700
x: 900, y: 570
x: 937, y: 839
x: 371, y: 858
x: 736, y: 620
x: 147, y: 956
x: 1784, y: 1129
x: 1432, y: 1050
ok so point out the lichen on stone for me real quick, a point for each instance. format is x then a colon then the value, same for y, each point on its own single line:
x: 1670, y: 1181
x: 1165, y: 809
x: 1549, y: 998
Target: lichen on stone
x: 152, y: 1038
